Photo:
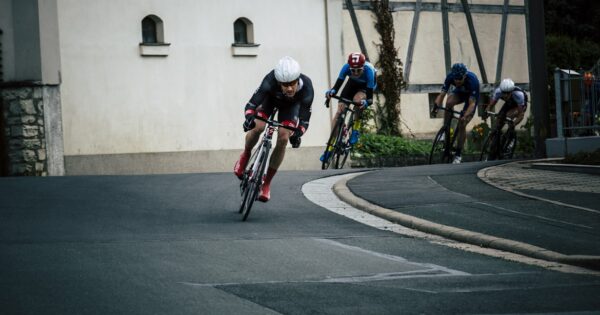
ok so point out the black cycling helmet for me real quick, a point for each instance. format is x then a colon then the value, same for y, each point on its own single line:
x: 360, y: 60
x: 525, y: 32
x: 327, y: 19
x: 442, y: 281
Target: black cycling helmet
x: 458, y: 71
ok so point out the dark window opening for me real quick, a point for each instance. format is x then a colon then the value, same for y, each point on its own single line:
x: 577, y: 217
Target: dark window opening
x: 149, y: 30
x: 240, y: 32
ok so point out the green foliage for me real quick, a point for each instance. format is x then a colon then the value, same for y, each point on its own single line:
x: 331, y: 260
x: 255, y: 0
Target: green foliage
x: 390, y: 81
x: 569, y: 53
x: 586, y: 158
x: 383, y: 146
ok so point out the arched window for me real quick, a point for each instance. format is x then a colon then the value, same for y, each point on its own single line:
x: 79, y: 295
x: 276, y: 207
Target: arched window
x: 152, y: 30
x: 243, y: 32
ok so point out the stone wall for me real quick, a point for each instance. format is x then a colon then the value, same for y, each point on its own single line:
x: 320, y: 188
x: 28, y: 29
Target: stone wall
x: 24, y: 129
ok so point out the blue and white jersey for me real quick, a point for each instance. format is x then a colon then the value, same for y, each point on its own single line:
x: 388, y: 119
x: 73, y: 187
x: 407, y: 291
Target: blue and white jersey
x: 367, y: 77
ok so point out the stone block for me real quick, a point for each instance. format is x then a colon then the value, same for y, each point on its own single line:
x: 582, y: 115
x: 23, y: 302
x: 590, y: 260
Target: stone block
x: 29, y: 156
x: 14, y: 108
x: 26, y: 131
x: 28, y: 107
x: 41, y: 155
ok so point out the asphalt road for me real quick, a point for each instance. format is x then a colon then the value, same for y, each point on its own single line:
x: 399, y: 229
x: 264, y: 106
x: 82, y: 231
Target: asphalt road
x: 175, y: 244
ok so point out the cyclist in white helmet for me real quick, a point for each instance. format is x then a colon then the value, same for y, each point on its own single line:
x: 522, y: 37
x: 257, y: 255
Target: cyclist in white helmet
x: 515, y: 103
x: 286, y: 88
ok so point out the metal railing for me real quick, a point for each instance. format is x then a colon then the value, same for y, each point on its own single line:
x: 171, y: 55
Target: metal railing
x: 577, y: 102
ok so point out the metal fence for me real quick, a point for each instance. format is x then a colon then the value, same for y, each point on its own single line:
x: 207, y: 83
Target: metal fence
x: 577, y: 102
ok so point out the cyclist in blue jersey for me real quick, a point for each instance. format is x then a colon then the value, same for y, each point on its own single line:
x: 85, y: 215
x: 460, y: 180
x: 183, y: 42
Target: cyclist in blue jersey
x: 461, y: 86
x: 286, y: 88
x: 515, y: 103
x: 359, y: 88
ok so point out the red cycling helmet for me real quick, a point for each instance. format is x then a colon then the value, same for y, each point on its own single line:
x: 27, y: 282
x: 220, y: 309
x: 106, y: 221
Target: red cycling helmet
x: 356, y: 60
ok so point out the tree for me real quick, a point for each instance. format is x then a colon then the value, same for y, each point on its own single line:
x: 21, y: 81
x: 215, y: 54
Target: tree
x: 390, y: 81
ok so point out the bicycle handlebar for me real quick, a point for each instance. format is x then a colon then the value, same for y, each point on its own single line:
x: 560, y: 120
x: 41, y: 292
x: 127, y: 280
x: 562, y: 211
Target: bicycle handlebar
x: 276, y: 123
x: 494, y: 114
x: 344, y: 100
x: 436, y: 107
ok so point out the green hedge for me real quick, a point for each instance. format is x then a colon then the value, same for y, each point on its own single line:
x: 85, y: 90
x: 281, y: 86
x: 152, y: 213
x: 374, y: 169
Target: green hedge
x: 381, y: 146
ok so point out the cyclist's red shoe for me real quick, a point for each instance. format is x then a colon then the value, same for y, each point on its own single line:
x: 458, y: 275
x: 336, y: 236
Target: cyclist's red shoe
x: 265, y: 192
x: 240, y: 165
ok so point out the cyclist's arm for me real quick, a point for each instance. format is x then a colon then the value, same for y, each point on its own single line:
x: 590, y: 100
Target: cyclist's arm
x: 440, y: 98
x: 306, y: 105
x: 371, y: 82
x: 338, y: 84
x: 260, y: 94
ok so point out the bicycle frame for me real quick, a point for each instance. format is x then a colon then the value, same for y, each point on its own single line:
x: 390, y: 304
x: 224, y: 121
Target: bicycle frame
x: 338, y: 147
x: 498, y: 144
x: 444, y: 135
x: 252, y: 179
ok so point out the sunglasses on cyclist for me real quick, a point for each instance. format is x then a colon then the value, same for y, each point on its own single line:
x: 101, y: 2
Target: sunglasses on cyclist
x: 288, y: 84
x: 356, y: 70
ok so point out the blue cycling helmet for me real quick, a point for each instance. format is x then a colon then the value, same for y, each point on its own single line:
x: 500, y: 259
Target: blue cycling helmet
x: 458, y: 70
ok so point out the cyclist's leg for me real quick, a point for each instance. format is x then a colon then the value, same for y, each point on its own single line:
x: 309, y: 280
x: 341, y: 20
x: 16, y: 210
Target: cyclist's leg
x: 251, y: 139
x: 288, y: 116
x: 358, y: 97
x: 453, y: 100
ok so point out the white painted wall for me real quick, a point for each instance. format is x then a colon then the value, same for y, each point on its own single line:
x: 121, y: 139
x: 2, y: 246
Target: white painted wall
x: 116, y: 101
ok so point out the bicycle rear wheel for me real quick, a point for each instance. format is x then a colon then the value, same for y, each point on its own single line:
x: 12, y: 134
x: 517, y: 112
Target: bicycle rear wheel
x: 437, y: 154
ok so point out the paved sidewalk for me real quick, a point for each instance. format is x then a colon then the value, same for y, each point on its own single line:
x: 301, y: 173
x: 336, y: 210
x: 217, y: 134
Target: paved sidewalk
x: 539, y: 213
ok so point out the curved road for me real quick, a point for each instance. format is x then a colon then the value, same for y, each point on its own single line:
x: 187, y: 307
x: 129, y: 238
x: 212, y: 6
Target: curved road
x: 174, y: 244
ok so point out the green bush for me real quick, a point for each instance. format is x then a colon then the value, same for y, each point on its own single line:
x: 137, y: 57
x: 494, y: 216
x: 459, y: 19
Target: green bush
x: 382, y: 146
x: 587, y: 158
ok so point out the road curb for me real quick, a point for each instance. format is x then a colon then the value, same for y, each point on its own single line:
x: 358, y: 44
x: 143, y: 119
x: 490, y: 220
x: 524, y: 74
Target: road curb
x: 341, y: 190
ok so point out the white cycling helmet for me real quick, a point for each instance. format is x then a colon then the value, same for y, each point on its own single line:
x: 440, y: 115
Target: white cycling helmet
x: 287, y: 70
x: 507, y: 85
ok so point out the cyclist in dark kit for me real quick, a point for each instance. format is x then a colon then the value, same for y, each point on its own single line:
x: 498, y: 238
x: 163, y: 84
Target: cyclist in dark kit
x: 359, y: 88
x: 286, y: 88
x: 465, y: 89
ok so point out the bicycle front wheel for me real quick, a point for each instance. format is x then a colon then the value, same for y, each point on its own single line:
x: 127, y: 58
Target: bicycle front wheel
x: 485, y: 148
x: 331, y: 147
x: 509, y: 146
x: 437, y: 154
x: 254, y: 184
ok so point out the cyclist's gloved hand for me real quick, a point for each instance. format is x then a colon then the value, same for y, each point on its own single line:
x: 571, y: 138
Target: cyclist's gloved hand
x: 295, y: 141
x: 330, y: 93
x: 249, y: 121
x: 434, y: 110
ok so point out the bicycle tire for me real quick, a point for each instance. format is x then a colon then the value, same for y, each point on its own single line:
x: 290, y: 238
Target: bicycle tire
x: 346, y: 145
x: 507, y: 151
x: 338, y: 150
x: 246, y: 177
x: 330, y: 147
x: 437, y: 148
x: 255, y: 183
x: 489, y: 150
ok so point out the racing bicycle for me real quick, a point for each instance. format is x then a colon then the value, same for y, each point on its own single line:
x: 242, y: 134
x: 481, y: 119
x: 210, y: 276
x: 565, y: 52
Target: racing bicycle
x: 499, y: 145
x: 443, y: 148
x: 338, y: 145
x: 252, y: 178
